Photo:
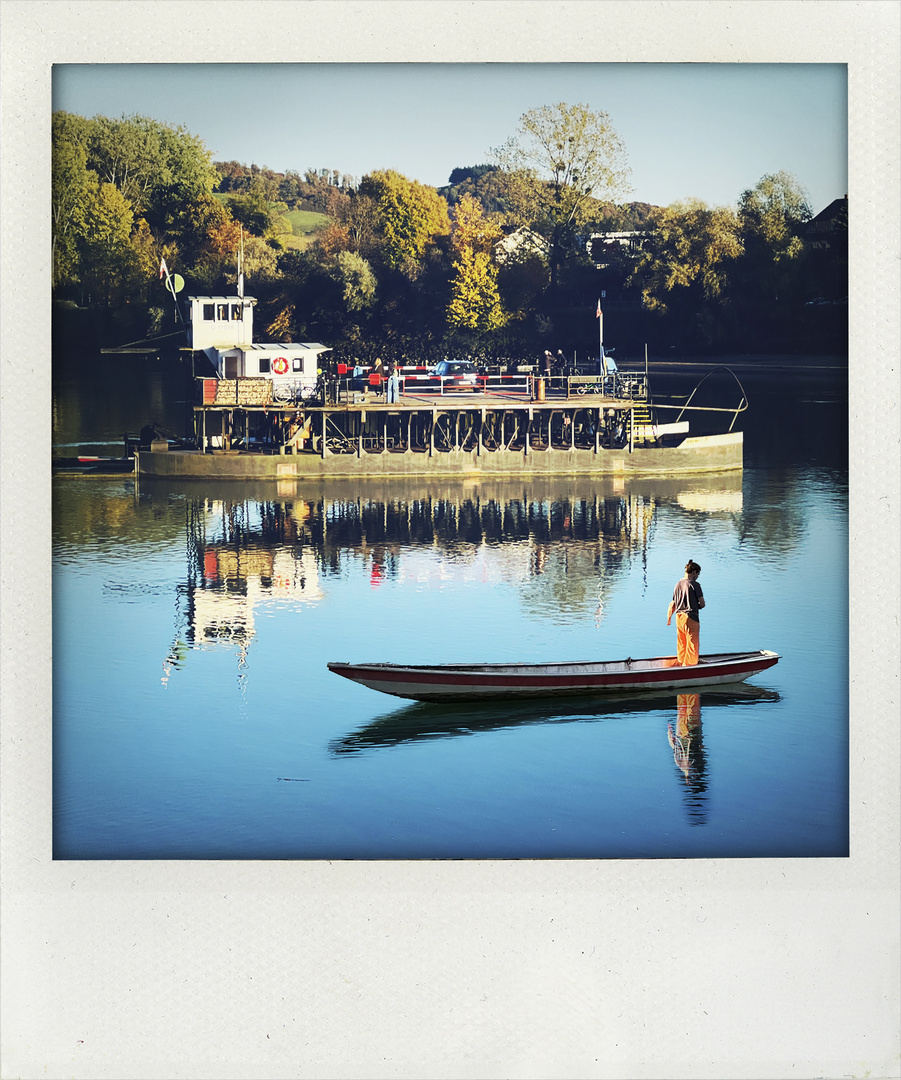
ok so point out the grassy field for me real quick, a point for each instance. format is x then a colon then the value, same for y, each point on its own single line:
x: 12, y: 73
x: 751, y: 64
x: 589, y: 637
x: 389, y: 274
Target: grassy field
x: 305, y: 224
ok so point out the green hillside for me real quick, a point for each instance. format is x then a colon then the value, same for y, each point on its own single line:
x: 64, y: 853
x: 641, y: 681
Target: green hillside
x: 304, y: 224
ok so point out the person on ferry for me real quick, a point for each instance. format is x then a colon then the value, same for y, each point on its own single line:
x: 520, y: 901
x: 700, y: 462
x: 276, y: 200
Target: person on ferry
x: 393, y: 382
x: 357, y: 375
x: 377, y: 375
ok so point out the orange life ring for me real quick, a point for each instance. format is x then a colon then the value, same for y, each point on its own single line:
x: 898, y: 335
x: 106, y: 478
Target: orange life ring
x: 280, y: 365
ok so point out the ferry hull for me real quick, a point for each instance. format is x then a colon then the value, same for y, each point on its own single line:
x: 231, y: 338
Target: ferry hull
x: 712, y: 453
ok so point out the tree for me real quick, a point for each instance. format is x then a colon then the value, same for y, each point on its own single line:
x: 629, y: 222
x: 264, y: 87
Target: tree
x: 358, y: 282
x: 409, y: 216
x: 773, y: 212
x: 154, y: 165
x: 686, y: 269
x: 571, y: 155
x: 190, y: 226
x: 252, y: 211
x: 510, y: 197
x: 147, y: 255
x: 357, y: 218
x: 71, y: 180
x: 107, y: 260
x: 772, y: 280
x: 475, y: 302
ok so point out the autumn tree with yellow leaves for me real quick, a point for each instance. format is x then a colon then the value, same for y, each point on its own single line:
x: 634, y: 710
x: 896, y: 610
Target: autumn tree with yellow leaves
x: 475, y: 302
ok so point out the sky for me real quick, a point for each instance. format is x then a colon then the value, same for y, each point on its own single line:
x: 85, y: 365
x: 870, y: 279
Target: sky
x: 706, y: 131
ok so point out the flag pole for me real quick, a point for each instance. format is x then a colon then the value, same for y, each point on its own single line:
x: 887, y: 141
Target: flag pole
x: 600, y: 318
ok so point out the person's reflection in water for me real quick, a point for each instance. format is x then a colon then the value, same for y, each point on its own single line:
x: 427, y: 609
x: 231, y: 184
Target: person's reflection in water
x: 688, y: 753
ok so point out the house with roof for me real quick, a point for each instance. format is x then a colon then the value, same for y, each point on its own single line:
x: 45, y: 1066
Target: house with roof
x: 521, y: 244
x: 829, y: 227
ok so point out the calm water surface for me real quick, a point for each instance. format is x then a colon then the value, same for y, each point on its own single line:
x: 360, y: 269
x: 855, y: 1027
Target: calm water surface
x: 194, y: 716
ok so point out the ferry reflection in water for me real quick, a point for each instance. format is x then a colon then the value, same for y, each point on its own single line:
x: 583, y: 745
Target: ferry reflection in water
x: 244, y: 553
x: 240, y: 555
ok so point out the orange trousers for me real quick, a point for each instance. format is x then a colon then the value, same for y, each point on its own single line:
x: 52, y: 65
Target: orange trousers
x: 688, y: 634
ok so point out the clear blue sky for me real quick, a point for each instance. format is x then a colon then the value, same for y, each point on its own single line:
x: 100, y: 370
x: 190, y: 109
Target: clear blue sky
x: 690, y: 130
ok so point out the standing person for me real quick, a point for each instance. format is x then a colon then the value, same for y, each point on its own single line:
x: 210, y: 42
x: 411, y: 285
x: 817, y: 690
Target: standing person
x: 393, y: 382
x: 687, y: 601
x: 378, y: 368
x: 358, y: 375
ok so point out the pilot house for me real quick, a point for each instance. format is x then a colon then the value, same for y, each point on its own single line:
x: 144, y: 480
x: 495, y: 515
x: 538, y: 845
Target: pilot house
x: 221, y: 327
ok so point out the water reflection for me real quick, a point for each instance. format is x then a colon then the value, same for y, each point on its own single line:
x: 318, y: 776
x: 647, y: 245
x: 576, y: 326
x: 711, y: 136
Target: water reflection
x: 562, y: 548
x: 422, y: 721
x: 240, y: 555
x: 687, y: 743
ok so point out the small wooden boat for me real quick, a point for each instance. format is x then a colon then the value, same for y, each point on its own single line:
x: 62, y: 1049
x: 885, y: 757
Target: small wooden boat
x: 494, y: 682
x: 88, y: 463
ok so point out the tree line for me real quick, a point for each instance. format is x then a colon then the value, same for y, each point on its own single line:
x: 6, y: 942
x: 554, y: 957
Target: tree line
x: 494, y: 264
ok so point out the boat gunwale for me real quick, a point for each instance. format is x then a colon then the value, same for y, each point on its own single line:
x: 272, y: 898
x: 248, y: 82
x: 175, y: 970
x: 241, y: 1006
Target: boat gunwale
x: 591, y: 668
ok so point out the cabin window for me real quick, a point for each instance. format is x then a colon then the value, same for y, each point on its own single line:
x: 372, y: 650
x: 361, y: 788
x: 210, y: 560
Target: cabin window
x: 264, y: 365
x: 297, y: 363
x: 237, y: 313
x: 222, y: 313
x: 209, y: 312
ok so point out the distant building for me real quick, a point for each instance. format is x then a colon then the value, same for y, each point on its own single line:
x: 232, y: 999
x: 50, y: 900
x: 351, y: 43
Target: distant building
x: 829, y: 225
x: 600, y: 246
x: 521, y: 244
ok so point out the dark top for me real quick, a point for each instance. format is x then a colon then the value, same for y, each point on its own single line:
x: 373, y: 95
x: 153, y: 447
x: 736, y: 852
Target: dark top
x: 685, y: 598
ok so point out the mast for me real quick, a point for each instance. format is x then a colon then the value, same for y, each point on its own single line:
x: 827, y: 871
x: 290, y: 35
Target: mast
x: 241, y: 266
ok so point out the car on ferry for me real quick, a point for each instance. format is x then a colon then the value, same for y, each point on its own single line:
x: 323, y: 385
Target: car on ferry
x: 457, y: 374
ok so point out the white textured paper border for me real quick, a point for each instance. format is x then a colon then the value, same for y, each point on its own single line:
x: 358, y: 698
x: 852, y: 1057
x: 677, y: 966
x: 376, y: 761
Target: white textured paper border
x: 695, y: 968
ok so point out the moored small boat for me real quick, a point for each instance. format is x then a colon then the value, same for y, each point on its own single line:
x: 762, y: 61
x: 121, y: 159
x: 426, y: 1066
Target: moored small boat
x: 488, y: 682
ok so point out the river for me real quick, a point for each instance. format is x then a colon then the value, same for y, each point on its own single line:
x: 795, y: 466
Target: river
x: 194, y: 716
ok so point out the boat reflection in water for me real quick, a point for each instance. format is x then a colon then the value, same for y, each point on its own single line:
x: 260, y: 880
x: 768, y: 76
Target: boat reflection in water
x: 422, y: 722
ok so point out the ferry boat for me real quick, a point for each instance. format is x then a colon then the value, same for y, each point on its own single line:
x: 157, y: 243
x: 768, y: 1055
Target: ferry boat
x: 268, y: 411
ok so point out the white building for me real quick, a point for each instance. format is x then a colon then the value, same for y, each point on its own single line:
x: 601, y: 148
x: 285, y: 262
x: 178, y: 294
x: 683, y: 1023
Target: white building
x: 521, y: 245
x: 221, y: 327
